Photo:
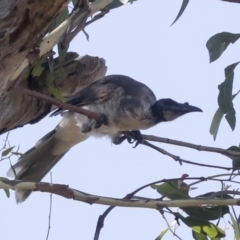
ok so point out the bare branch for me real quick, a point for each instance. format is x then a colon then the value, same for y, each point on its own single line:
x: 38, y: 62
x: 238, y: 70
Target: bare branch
x: 50, y: 211
x: 54, y: 101
x: 190, y: 145
x: 179, y: 159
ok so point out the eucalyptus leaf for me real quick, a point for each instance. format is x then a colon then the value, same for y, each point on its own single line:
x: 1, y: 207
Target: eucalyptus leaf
x: 182, y: 9
x: 7, y: 151
x: 199, y: 236
x: 218, y: 43
x: 5, y: 190
x: 217, y: 118
x: 172, y: 191
x: 162, y: 234
x: 203, y: 227
x: 206, y: 213
x: 37, y: 69
x: 51, y: 89
x: 225, y: 102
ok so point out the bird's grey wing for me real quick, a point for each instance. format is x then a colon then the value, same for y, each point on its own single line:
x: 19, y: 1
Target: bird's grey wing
x: 97, y: 92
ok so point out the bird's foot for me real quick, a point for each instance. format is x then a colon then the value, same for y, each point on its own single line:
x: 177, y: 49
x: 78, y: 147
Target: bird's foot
x: 102, y: 120
x: 131, y: 136
x: 136, y: 137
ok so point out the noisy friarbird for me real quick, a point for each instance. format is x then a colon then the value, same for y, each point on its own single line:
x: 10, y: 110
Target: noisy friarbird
x: 122, y: 103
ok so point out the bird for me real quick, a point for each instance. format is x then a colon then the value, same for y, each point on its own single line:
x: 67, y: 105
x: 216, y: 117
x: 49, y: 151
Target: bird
x: 122, y: 104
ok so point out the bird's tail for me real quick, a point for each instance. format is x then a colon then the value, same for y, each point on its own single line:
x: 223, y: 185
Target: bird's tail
x: 39, y: 160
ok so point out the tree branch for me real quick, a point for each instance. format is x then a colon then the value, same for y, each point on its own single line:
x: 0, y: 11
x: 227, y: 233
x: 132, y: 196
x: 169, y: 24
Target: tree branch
x: 190, y: 145
x: 179, y: 159
x: 65, y: 191
x: 58, y: 103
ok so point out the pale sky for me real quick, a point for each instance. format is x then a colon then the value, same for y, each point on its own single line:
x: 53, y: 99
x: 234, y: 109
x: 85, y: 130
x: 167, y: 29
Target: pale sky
x: 136, y: 40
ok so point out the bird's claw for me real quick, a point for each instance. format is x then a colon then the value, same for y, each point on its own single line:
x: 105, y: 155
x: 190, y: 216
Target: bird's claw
x: 136, y: 137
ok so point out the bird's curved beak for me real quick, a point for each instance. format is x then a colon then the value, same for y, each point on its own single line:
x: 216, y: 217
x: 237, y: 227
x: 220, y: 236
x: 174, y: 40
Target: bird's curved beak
x: 172, y: 112
x: 184, y: 108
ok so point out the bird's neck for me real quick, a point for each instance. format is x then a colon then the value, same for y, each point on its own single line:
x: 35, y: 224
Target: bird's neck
x: 157, y: 113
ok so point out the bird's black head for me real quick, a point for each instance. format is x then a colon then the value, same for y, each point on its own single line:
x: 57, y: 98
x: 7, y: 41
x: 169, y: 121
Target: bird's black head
x: 168, y: 109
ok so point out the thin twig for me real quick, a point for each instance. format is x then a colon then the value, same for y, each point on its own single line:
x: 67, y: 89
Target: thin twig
x: 50, y: 211
x: 70, y: 35
x: 179, y: 159
x: 190, y: 145
x: 170, y: 228
x: 54, y: 101
x: 100, y: 222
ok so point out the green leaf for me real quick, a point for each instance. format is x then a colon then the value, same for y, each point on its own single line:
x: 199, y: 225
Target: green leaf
x: 206, y: 213
x: 7, y: 151
x: 225, y: 96
x: 172, y: 191
x: 199, y: 236
x: 229, y: 69
x: 231, y: 119
x: 5, y: 190
x: 182, y: 9
x: 218, y: 43
x: 51, y: 89
x: 203, y: 227
x: 37, y: 69
x: 217, y: 118
x: 235, y: 227
x: 162, y: 234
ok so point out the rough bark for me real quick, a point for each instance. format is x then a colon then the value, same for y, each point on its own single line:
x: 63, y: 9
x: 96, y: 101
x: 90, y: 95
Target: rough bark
x: 70, y: 76
x: 23, y: 24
